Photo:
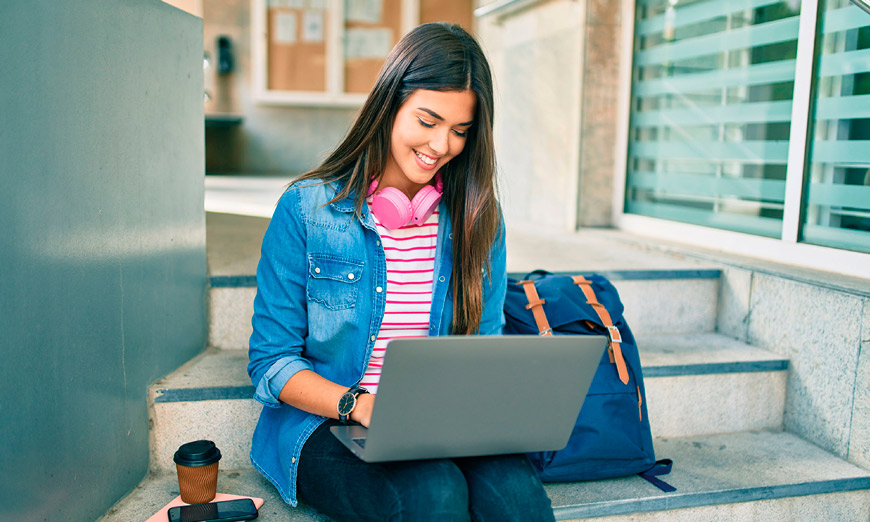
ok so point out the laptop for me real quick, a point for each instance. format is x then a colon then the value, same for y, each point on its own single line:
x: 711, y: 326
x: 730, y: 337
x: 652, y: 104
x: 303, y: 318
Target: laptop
x: 459, y: 396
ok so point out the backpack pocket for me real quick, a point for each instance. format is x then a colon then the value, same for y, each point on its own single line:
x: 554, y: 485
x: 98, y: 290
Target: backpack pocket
x: 608, y: 439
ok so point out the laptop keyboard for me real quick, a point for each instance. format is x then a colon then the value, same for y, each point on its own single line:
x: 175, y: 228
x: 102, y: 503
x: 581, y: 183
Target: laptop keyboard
x: 361, y: 441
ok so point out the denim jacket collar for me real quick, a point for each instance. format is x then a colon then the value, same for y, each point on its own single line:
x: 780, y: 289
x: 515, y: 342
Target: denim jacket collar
x: 345, y: 204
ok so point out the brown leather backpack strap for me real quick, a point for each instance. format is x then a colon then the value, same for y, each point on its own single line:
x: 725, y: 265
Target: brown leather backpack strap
x: 615, y: 337
x: 536, y: 305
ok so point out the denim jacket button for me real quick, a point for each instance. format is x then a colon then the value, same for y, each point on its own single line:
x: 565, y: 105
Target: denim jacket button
x: 373, y: 338
x: 316, y: 270
x: 350, y: 275
x: 293, y: 460
x: 379, y: 289
x: 441, y: 279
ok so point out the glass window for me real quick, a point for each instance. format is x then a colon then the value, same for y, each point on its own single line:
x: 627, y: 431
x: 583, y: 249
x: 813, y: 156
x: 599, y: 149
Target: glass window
x: 711, y: 108
x: 837, y: 185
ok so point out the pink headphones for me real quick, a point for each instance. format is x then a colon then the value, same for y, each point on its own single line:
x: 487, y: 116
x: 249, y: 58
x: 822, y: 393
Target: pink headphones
x: 394, y: 210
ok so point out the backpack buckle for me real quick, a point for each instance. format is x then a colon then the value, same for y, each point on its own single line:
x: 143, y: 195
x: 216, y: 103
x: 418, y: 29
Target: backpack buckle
x: 615, y: 336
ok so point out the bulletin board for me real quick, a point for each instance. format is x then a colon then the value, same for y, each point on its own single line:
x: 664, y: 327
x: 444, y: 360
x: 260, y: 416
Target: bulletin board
x: 329, y: 52
x: 459, y: 12
x: 372, y: 28
x: 297, y: 34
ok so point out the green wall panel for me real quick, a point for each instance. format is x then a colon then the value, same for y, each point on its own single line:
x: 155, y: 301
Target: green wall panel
x: 102, y: 250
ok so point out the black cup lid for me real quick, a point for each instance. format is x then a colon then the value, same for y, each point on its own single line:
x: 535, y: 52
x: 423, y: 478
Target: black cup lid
x: 197, y: 453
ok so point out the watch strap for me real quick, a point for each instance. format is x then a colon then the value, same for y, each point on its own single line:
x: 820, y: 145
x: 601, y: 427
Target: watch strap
x: 356, y: 391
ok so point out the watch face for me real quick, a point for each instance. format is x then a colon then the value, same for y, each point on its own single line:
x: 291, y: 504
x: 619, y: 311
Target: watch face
x: 346, y: 404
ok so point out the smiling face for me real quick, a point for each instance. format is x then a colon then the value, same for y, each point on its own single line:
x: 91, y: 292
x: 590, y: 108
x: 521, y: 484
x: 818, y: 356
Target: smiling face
x: 429, y: 130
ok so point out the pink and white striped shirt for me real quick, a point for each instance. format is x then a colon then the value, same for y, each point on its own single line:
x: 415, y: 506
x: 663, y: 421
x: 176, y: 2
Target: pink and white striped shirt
x: 410, y: 253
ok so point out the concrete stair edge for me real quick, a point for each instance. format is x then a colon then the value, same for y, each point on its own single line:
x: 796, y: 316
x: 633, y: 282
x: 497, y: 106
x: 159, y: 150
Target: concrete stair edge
x: 656, y: 302
x: 742, y: 388
x: 765, y: 470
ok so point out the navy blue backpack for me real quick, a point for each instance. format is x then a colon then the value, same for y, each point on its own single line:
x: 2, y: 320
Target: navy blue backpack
x: 611, y: 436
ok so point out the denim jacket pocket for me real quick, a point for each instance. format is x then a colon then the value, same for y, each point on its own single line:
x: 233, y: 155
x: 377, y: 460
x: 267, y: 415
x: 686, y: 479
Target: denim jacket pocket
x: 332, y: 280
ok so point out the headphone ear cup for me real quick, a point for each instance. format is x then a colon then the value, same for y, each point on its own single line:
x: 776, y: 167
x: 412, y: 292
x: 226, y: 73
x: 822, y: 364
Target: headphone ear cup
x: 424, y: 203
x: 392, y: 208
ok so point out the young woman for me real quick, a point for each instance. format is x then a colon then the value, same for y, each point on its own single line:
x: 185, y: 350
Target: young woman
x: 397, y: 234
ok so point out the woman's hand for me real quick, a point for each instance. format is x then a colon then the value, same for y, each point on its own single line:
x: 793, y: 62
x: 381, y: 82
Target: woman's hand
x: 362, y: 413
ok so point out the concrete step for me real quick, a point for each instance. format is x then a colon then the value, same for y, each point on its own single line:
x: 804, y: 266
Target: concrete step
x: 656, y: 302
x: 230, y: 308
x: 759, y: 475
x: 697, y: 384
x: 708, y: 383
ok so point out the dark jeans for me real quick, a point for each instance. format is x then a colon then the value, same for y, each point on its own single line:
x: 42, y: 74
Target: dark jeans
x: 495, y: 488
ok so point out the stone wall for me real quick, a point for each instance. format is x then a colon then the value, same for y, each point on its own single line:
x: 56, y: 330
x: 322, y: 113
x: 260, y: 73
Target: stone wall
x: 556, y: 66
x: 599, y: 113
x: 536, y: 57
x: 824, y: 330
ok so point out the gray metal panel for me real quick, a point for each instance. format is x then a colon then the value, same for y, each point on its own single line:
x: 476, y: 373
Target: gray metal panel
x: 102, y: 249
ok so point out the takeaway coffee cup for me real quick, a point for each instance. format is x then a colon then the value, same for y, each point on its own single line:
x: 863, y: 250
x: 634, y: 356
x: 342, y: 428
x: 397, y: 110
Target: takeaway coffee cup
x: 197, y: 465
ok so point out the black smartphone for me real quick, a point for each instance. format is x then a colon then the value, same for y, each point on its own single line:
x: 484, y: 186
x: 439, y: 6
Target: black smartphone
x: 223, y: 511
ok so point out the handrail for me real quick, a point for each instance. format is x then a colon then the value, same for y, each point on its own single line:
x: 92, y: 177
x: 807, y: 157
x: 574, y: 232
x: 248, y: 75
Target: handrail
x: 502, y: 5
x: 863, y: 4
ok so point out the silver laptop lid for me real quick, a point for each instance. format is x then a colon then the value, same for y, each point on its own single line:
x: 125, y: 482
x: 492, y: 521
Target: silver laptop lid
x: 479, y: 395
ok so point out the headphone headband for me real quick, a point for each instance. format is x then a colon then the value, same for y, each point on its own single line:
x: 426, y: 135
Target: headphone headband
x: 439, y: 184
x: 393, y: 209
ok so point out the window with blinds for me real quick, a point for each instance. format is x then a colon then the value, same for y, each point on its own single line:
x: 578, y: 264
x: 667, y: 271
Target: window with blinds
x: 837, y: 187
x: 711, y: 104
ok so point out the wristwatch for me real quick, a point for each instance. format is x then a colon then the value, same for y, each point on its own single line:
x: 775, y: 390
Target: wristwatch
x: 347, y: 402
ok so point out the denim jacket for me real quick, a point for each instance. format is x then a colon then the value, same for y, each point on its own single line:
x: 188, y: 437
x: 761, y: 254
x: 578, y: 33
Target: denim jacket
x: 317, y: 308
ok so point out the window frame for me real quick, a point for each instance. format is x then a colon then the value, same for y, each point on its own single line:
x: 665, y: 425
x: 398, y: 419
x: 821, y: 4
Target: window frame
x: 787, y: 248
x: 334, y: 95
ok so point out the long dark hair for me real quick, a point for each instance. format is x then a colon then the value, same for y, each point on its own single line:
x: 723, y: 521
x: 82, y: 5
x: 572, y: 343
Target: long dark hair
x: 438, y: 57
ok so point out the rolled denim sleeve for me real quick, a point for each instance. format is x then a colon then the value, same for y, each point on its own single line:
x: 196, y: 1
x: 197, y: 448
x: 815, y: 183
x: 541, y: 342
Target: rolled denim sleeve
x: 276, y: 377
x: 495, y: 287
x: 280, y: 324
